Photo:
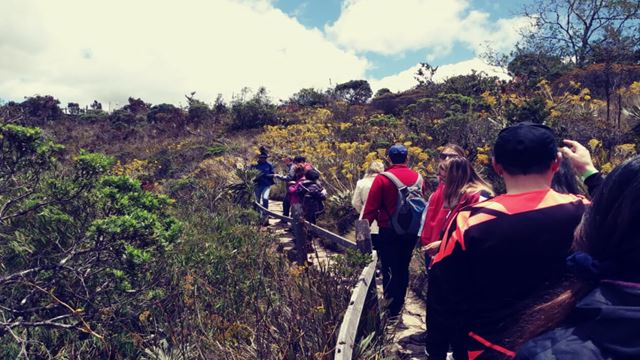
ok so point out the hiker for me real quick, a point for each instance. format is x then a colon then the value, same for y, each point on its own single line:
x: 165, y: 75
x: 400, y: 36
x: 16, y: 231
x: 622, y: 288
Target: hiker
x: 434, y: 221
x: 292, y: 185
x: 312, y: 195
x: 595, y: 314
x: 397, y: 234
x: 301, y: 160
x: 263, y: 181
x: 286, y: 203
x: 361, y: 193
x: 498, y: 253
x: 462, y: 187
x: 436, y: 214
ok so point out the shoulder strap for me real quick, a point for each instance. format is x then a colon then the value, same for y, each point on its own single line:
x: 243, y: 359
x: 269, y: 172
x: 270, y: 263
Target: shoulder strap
x: 418, y: 182
x: 399, y: 184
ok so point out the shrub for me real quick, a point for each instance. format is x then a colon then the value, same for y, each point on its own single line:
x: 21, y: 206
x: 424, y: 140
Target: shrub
x: 252, y: 113
x: 80, y: 250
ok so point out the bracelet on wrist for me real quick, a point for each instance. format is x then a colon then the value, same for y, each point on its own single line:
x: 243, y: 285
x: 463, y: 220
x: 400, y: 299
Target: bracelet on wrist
x: 588, y: 173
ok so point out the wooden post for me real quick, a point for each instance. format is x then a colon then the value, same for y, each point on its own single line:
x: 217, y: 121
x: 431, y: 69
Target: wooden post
x: 300, y: 236
x: 363, y: 236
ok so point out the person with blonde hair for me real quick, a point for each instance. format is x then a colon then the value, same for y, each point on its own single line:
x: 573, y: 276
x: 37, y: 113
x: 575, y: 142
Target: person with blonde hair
x: 436, y: 213
x: 362, y: 191
x: 463, y: 186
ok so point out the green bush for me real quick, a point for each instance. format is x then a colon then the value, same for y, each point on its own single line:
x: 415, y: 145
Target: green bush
x: 252, y: 113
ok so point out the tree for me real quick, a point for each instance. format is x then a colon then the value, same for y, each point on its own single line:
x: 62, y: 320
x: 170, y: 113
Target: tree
x: 531, y: 67
x: 73, y: 108
x: 166, y: 115
x: 309, y: 97
x: 199, y: 111
x: 354, y: 91
x: 424, y: 74
x: 219, y: 106
x: 382, y: 92
x: 95, y: 105
x: 252, y: 113
x: 79, y: 248
x: 472, y: 84
x: 572, y: 28
x: 42, y: 108
x: 137, y: 106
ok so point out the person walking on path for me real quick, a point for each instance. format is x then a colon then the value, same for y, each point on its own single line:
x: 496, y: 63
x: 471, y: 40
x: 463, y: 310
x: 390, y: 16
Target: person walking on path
x: 312, y: 195
x: 292, y: 186
x: 498, y: 253
x: 462, y: 187
x: 264, y: 180
x: 394, y: 249
x: 436, y: 212
x: 286, y: 202
x: 595, y: 314
x: 361, y: 193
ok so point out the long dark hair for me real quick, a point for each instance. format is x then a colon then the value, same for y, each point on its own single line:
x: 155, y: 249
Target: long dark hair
x: 565, y: 180
x: 608, y: 233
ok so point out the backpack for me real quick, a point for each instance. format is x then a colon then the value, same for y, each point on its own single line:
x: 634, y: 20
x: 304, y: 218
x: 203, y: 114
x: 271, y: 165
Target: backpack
x: 410, y: 207
x: 310, y: 200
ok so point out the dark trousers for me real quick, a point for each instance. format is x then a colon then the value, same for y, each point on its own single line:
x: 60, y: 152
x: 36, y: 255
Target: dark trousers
x: 443, y: 331
x: 286, y: 205
x: 395, y: 254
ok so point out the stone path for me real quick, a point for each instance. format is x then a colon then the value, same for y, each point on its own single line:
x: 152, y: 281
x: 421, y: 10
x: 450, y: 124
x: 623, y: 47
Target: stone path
x: 320, y: 255
x: 413, y: 322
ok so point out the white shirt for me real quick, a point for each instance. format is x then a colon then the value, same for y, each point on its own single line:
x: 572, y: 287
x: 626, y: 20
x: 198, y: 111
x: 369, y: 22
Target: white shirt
x: 360, y: 195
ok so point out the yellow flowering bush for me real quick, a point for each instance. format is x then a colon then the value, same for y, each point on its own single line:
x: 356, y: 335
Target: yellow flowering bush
x: 341, y: 151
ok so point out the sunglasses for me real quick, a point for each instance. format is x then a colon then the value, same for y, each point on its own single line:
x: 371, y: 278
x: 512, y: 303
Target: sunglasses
x: 445, y: 156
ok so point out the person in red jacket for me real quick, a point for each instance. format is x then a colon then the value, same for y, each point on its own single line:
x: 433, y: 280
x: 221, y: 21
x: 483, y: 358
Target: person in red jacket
x: 394, y: 250
x: 436, y: 212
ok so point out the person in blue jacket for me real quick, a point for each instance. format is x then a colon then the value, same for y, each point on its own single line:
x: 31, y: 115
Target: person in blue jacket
x: 264, y: 180
x: 596, y: 313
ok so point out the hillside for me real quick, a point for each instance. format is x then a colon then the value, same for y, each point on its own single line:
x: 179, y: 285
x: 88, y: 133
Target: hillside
x: 131, y: 234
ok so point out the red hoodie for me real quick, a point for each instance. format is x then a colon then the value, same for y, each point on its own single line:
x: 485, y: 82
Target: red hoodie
x: 383, y: 196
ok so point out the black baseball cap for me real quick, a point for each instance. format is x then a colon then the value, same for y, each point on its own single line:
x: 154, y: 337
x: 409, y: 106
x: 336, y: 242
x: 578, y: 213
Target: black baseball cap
x: 525, y: 148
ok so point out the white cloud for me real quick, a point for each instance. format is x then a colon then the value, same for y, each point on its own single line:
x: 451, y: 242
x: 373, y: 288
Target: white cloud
x: 80, y: 50
x: 405, y: 79
x: 389, y: 28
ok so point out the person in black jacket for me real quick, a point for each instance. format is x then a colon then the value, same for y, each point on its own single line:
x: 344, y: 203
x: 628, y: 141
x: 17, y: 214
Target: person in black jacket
x: 596, y: 313
x: 312, y: 195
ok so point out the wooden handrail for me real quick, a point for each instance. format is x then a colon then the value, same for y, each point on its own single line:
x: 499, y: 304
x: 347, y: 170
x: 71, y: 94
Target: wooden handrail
x: 364, y: 293
x: 271, y: 213
x: 351, y: 320
x: 323, y: 233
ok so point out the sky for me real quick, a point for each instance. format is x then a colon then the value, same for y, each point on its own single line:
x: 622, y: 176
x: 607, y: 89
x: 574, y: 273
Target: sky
x: 160, y: 50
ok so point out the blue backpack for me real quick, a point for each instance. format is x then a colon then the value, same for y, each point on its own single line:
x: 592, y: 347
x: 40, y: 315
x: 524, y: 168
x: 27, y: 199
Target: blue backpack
x: 411, y: 205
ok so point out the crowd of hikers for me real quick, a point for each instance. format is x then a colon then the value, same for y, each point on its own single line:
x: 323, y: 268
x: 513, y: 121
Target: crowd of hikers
x: 303, y: 186
x: 548, y: 270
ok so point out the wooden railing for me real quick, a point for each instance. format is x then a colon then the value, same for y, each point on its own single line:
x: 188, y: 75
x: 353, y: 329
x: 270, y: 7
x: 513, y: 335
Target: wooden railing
x: 363, y: 313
